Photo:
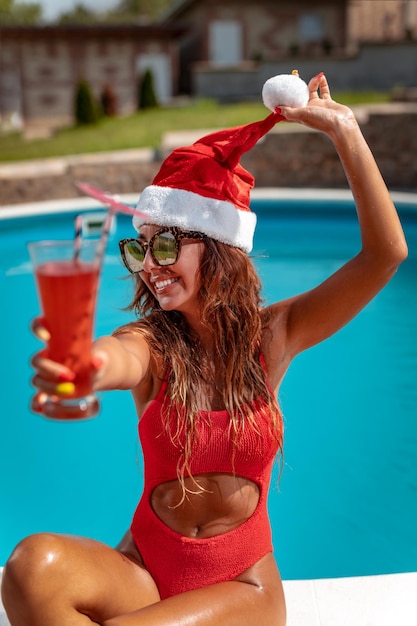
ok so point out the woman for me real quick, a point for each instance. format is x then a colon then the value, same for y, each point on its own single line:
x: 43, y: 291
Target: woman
x: 204, y: 364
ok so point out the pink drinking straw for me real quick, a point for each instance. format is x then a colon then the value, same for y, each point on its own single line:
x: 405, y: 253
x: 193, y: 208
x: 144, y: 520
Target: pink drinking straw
x: 109, y: 200
x: 114, y: 206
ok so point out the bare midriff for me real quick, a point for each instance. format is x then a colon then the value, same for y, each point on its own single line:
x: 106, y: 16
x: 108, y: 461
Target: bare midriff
x: 214, y: 504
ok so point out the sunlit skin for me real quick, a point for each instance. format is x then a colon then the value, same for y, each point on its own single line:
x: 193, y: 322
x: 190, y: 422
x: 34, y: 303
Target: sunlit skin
x: 53, y: 580
x: 175, y: 286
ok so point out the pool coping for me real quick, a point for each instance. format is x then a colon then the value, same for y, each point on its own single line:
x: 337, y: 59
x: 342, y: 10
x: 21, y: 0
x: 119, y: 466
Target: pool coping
x: 66, y: 205
x: 381, y: 600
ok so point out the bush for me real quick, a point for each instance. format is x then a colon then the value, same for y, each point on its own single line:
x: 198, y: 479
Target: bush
x: 86, y: 110
x: 147, y: 95
x: 108, y: 101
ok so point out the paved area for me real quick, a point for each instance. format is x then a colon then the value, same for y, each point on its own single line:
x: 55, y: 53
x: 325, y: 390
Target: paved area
x: 388, y: 600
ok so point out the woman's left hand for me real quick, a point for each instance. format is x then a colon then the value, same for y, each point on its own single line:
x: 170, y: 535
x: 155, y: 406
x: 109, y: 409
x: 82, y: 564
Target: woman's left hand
x: 321, y: 112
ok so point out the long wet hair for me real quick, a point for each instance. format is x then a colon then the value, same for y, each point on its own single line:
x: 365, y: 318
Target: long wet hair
x: 230, y: 304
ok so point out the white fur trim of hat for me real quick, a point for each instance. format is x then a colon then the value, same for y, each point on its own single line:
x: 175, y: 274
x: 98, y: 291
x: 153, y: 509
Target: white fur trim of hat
x: 218, y: 219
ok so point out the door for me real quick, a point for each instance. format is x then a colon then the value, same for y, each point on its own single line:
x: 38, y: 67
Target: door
x: 225, y: 42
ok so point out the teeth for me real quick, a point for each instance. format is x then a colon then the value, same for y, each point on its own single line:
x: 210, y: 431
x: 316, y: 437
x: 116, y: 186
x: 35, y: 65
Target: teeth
x: 164, y: 283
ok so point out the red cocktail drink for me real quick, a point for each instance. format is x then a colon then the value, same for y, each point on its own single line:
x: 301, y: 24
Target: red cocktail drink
x: 67, y: 289
x: 69, y: 317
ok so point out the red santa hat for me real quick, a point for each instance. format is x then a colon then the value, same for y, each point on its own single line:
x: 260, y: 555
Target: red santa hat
x: 203, y: 187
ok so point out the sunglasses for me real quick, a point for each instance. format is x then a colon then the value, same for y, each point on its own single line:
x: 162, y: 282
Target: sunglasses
x: 164, y: 246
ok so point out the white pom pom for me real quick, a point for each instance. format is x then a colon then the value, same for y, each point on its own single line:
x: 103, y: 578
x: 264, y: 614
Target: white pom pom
x: 285, y: 90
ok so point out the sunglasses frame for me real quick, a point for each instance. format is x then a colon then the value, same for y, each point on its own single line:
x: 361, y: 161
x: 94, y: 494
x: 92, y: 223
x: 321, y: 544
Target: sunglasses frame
x: 178, y: 234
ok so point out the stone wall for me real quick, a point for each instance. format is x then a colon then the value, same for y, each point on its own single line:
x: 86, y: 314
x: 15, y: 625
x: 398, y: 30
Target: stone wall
x: 48, y: 179
x: 292, y: 156
x: 289, y: 156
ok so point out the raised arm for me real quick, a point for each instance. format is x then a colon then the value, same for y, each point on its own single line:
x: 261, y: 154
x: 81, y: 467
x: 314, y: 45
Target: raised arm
x: 315, y: 315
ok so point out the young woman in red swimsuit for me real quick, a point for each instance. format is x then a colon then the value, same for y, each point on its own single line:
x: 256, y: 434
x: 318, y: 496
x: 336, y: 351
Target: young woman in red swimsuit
x: 204, y: 363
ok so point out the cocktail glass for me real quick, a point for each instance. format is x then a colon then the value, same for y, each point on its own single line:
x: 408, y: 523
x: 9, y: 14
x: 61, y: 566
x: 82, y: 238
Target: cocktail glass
x: 67, y: 283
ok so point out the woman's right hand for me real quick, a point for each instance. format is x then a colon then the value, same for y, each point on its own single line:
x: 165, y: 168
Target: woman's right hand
x: 52, y: 378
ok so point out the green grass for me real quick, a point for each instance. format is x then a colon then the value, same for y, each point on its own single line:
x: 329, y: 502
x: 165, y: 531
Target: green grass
x: 146, y: 128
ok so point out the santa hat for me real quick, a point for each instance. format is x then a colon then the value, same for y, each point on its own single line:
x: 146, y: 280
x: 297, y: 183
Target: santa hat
x: 203, y: 187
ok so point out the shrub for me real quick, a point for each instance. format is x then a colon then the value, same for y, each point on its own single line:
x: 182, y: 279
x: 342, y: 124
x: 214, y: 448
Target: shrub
x: 86, y: 110
x: 108, y: 101
x: 147, y: 95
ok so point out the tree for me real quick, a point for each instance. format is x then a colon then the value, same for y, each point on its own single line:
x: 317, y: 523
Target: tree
x: 151, y: 8
x: 132, y: 10
x: 147, y: 95
x: 108, y: 101
x: 79, y: 15
x: 19, y: 14
x: 86, y: 110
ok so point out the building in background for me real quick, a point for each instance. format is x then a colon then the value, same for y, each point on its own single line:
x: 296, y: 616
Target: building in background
x: 232, y: 46
x: 382, y: 20
x: 221, y: 49
x: 231, y: 33
x: 40, y: 67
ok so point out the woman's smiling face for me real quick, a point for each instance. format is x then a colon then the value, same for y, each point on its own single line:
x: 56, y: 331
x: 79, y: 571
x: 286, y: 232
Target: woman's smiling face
x: 175, y: 286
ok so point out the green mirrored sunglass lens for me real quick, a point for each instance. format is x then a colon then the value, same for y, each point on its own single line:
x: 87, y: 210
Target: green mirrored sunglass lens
x: 165, y: 249
x: 135, y: 255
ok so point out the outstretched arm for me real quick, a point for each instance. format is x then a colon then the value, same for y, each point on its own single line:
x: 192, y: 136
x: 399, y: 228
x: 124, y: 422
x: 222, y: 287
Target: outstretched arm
x: 120, y: 362
x: 313, y: 316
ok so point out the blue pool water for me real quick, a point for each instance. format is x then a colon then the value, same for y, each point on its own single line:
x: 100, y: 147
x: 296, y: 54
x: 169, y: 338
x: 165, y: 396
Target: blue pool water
x: 347, y: 500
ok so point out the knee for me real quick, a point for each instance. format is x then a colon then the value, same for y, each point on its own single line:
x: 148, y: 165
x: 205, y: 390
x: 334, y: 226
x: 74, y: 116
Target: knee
x: 36, y: 558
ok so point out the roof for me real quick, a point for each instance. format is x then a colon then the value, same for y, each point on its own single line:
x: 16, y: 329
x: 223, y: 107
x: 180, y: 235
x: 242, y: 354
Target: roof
x: 78, y: 31
x: 177, y: 7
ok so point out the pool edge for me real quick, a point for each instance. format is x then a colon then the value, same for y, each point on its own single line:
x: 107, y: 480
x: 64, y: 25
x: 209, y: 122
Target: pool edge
x: 262, y: 193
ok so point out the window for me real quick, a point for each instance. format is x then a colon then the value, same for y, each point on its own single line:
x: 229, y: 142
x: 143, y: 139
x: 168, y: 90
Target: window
x: 311, y: 28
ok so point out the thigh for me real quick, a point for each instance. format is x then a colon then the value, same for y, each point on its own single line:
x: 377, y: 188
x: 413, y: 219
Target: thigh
x: 47, y: 572
x: 115, y: 581
x: 255, y: 598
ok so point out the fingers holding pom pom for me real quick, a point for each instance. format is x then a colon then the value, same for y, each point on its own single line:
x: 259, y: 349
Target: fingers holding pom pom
x: 289, y: 90
x: 291, y: 99
x: 285, y: 90
x: 324, y: 88
x: 319, y: 88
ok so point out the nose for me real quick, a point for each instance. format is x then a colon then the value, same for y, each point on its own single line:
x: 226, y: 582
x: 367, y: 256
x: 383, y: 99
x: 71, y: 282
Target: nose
x: 148, y: 262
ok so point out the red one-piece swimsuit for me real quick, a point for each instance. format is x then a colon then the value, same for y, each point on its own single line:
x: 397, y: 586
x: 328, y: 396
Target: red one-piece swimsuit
x: 178, y: 563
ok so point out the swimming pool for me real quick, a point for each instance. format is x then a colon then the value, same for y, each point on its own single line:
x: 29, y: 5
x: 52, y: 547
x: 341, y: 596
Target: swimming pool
x: 346, y: 503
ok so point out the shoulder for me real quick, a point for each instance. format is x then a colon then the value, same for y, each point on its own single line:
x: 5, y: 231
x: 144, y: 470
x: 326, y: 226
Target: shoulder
x: 140, y: 336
